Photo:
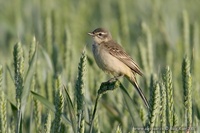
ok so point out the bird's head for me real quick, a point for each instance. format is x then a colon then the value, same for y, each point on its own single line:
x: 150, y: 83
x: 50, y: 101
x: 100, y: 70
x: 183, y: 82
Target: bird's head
x: 100, y: 35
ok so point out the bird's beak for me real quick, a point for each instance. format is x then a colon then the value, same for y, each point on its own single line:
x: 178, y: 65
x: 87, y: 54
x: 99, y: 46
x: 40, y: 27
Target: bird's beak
x: 90, y: 33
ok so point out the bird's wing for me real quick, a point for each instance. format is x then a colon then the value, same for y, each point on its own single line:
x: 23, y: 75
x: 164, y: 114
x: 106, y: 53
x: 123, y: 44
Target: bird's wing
x: 117, y: 51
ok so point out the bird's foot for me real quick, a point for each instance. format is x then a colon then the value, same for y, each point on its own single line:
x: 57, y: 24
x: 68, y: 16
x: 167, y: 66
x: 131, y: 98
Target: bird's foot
x: 115, y: 78
x: 112, y: 80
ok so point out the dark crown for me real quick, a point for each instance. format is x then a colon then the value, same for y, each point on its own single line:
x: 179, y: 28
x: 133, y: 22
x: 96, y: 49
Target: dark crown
x: 102, y: 33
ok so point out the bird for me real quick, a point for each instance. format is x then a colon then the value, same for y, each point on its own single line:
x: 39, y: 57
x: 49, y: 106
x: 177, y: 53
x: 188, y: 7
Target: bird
x: 113, y: 59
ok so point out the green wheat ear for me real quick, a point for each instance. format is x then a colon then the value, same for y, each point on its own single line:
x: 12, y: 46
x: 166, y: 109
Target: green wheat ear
x: 154, y: 105
x: 3, y: 111
x: 142, y: 115
x: 3, y: 108
x: 32, y: 50
x: 36, y: 104
x: 163, y: 106
x: 119, y: 130
x: 59, y: 105
x: 80, y: 86
x: 167, y: 79
x: 47, y: 128
x: 187, y: 87
x: 96, y: 125
x: 19, y: 71
x: 19, y: 79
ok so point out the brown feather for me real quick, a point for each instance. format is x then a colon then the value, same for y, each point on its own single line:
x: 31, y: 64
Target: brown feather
x: 117, y: 51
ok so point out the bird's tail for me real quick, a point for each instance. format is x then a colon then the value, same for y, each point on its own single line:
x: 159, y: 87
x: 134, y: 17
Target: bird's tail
x: 133, y: 81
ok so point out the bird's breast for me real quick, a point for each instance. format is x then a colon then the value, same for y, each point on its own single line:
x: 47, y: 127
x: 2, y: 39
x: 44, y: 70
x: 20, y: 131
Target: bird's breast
x: 108, y: 62
x: 98, y: 56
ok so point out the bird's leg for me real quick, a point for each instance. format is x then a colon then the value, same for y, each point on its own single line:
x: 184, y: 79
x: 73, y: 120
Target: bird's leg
x: 109, y: 85
x: 115, y: 78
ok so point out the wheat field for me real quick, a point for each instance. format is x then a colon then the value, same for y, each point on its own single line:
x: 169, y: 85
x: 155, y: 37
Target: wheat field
x: 50, y: 83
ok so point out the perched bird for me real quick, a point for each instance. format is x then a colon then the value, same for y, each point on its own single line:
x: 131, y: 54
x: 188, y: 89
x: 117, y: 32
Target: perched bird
x: 112, y: 58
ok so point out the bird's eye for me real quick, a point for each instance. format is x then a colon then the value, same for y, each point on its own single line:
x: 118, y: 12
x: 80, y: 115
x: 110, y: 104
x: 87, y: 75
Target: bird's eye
x: 100, y: 34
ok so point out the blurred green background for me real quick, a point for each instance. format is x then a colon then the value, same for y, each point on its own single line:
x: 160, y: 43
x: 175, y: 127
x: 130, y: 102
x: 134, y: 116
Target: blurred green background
x: 156, y: 33
x: 20, y: 20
